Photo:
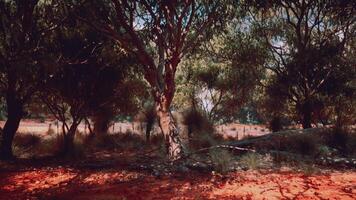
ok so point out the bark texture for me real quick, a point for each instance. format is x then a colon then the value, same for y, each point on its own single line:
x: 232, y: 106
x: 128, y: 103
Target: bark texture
x: 170, y: 130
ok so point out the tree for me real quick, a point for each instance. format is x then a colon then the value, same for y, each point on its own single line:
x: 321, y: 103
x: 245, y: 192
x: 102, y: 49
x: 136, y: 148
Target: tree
x: 159, y: 34
x: 22, y: 32
x: 307, y: 43
x: 224, y: 73
x: 90, y: 79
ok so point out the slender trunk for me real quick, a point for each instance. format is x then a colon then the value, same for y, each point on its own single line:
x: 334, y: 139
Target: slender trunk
x: 148, y: 131
x: 91, y: 132
x: 306, y: 115
x: 170, y: 132
x: 68, y: 143
x: 14, y: 116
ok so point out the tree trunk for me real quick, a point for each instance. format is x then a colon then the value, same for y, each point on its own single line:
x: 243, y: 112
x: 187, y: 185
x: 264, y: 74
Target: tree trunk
x: 101, y: 125
x: 169, y: 130
x: 14, y: 116
x: 148, y: 131
x: 306, y: 115
x: 68, y: 143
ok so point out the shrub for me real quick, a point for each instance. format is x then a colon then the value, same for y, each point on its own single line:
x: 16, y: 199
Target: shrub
x: 26, y: 140
x: 324, y: 150
x: 78, y: 151
x: 196, y: 122
x: 53, y: 145
x: 305, y: 144
x: 106, y: 141
x: 117, y: 141
x: 201, y: 131
x: 343, y: 140
x: 157, y: 139
x: 301, y: 143
x: 250, y: 160
x: 130, y: 140
x: 202, y: 140
x: 308, y: 169
x: 221, y: 160
x: 81, y: 137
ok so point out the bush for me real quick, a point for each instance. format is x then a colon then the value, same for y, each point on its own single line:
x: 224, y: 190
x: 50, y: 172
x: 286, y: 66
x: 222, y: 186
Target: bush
x: 196, y: 122
x: 305, y: 144
x: 26, y: 140
x: 81, y: 137
x: 324, y: 150
x: 117, y: 141
x: 53, y: 146
x: 78, y: 150
x: 201, y: 131
x: 250, y: 161
x: 203, y: 140
x: 221, y: 160
x: 343, y: 140
x: 106, y: 141
x: 157, y: 139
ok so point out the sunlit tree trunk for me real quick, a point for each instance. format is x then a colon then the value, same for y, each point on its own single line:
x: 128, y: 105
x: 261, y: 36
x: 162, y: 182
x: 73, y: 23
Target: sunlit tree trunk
x: 169, y: 129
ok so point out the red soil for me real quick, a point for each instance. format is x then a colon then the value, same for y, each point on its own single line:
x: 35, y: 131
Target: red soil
x: 66, y: 183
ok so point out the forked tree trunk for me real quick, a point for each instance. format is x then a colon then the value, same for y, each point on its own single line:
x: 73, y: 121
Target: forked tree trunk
x: 170, y: 131
x: 14, y: 116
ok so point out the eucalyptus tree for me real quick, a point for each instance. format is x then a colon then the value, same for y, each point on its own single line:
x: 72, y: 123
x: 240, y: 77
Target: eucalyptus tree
x: 307, y: 41
x: 92, y: 78
x: 160, y: 34
x: 23, y: 29
x: 224, y: 73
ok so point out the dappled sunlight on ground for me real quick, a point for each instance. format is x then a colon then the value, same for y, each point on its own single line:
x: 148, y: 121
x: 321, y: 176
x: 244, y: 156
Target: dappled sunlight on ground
x: 18, y: 184
x: 101, y: 178
x: 289, y: 186
x: 64, y: 183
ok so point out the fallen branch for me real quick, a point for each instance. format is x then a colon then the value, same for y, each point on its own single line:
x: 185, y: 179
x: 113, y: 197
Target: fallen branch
x: 249, y: 141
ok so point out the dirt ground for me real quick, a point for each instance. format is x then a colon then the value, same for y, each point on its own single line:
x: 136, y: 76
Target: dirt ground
x: 28, y: 179
x: 71, y: 183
